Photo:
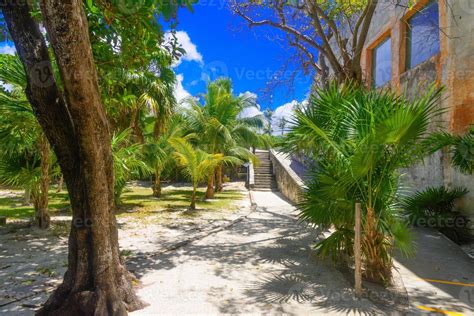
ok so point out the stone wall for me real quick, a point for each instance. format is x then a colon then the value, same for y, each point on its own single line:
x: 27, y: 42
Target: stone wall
x: 452, y: 68
x: 289, y: 183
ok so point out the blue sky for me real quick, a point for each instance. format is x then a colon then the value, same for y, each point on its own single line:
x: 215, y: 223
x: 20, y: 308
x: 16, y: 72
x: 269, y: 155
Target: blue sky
x: 220, y: 44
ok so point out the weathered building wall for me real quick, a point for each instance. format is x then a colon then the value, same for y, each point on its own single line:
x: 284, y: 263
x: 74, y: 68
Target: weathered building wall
x: 452, y: 68
x: 458, y: 77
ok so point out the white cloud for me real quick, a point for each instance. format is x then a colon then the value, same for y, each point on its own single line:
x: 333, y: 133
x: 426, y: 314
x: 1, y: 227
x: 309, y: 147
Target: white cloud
x: 192, y: 53
x: 179, y: 92
x: 10, y: 50
x: 252, y: 111
x: 7, y: 49
x: 285, y: 111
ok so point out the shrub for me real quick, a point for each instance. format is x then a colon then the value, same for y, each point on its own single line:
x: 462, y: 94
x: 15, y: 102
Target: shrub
x: 359, y: 139
x: 434, y: 207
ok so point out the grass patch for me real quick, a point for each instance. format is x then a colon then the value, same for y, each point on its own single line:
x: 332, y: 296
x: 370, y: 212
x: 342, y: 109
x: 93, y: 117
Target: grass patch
x: 175, y: 200
x: 139, y: 199
x: 12, y: 207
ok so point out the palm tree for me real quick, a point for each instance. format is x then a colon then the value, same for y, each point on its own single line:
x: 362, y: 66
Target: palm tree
x: 198, y: 164
x: 282, y: 124
x: 131, y: 97
x: 359, y: 140
x: 268, y: 114
x: 25, y: 154
x: 128, y: 161
x: 158, y: 153
x: 140, y: 100
x: 221, y: 129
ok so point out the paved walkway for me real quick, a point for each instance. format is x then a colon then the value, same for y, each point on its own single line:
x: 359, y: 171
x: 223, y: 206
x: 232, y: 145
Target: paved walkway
x: 261, y: 265
x: 440, y: 278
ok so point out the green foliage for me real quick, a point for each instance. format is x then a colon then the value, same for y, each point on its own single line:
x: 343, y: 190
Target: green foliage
x: 461, y: 148
x: 359, y: 140
x: 128, y: 161
x: 434, y: 207
x: 20, y: 132
x: 433, y: 201
x: 197, y: 163
x: 219, y: 124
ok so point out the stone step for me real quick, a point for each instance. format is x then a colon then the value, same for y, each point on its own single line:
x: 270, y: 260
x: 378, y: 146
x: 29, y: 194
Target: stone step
x: 265, y: 182
x: 264, y: 176
x: 264, y: 171
x: 265, y: 186
x: 263, y: 167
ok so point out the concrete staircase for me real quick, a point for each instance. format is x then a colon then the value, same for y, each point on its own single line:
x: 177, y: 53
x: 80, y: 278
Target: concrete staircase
x: 264, y: 179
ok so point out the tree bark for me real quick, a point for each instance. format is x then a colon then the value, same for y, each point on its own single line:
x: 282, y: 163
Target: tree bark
x: 378, y: 267
x: 96, y: 282
x: 42, y: 218
x: 210, y: 186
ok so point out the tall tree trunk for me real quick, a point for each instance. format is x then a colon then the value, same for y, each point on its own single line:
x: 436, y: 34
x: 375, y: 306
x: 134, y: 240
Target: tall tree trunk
x: 219, y: 175
x: 193, y: 198
x: 96, y: 282
x: 42, y: 218
x: 210, y: 186
x: 157, y: 184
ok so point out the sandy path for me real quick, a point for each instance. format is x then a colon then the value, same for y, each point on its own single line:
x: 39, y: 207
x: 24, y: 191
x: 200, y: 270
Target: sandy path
x: 260, y: 265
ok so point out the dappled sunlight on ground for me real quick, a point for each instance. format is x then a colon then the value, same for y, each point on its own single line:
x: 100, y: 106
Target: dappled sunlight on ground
x: 261, y: 265
x: 33, y: 261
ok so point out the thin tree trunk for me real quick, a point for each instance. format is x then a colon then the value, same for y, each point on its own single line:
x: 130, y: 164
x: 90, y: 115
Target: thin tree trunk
x: 157, y: 184
x: 193, y: 199
x: 135, y: 126
x: 96, y: 282
x: 219, y: 175
x: 60, y: 184
x: 42, y: 218
x: 27, y: 197
x: 210, y: 186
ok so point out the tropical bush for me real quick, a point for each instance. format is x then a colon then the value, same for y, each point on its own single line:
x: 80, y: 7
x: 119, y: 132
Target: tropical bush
x: 434, y: 207
x: 359, y: 140
x: 128, y: 161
